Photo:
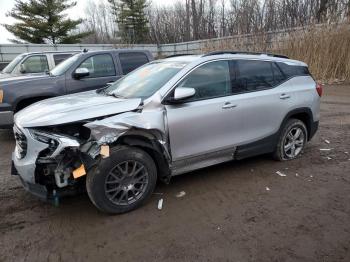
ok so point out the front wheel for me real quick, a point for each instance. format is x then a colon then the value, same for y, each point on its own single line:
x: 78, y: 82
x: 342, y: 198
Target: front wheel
x: 292, y: 140
x: 122, y: 182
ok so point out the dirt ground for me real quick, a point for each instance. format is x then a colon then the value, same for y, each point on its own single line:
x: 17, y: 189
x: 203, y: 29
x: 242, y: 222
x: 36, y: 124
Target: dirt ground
x: 227, y: 213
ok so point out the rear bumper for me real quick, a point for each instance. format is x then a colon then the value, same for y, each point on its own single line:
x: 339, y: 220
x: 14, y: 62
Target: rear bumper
x: 6, y: 119
x: 313, y: 129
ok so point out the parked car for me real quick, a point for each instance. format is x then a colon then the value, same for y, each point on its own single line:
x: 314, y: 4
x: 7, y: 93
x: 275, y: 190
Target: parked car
x: 166, y: 118
x: 35, y: 63
x: 81, y: 72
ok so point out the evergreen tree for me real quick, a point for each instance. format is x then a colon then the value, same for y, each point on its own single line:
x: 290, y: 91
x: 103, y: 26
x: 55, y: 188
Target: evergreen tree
x: 131, y: 19
x: 42, y: 21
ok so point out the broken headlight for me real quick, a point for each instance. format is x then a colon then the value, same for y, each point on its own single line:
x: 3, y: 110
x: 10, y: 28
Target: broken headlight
x: 47, y: 139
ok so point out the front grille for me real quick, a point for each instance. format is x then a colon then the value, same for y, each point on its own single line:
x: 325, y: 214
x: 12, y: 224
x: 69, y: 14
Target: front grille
x: 21, y: 142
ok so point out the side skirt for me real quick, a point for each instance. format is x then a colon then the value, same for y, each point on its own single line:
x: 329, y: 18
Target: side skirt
x: 263, y: 146
x: 193, y: 163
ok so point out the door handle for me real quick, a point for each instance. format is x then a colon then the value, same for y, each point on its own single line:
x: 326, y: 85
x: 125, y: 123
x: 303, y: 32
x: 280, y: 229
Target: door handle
x: 228, y: 105
x: 284, y: 96
x: 109, y: 83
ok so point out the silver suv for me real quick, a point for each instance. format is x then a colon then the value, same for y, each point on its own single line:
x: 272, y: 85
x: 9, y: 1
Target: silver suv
x: 166, y: 118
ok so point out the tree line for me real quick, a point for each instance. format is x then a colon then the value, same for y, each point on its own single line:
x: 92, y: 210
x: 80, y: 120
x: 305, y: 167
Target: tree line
x: 142, y: 21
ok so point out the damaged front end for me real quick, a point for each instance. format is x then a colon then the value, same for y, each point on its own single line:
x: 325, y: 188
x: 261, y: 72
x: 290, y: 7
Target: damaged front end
x: 58, y: 158
x: 46, y: 158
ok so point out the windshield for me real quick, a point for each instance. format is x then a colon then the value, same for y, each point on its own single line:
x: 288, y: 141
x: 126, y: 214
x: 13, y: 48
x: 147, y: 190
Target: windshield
x: 146, y: 80
x: 64, y: 66
x: 9, y: 68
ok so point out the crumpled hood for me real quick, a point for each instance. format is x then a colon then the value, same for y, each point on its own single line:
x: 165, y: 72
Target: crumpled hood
x: 72, y: 108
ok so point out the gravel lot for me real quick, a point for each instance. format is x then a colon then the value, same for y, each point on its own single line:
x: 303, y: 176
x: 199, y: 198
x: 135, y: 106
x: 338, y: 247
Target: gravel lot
x: 227, y: 213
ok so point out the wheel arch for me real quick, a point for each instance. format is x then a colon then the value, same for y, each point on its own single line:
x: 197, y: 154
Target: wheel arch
x: 150, y: 144
x: 303, y: 114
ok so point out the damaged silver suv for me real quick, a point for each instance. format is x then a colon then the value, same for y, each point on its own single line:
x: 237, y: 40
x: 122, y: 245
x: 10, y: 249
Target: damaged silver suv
x: 166, y: 118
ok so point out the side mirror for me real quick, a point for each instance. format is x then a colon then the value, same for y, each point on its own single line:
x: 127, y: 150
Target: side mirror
x: 183, y: 92
x: 81, y: 72
x: 22, y: 69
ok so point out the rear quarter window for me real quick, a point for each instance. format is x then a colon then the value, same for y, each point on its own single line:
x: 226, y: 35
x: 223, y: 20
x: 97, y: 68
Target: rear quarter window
x: 293, y: 70
x: 132, y: 60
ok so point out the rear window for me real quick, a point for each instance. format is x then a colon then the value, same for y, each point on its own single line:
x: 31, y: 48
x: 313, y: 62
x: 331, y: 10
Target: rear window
x: 132, y: 60
x: 292, y: 70
x: 58, y: 58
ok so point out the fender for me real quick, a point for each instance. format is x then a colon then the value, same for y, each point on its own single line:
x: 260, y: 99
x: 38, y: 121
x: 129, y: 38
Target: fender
x: 149, y: 142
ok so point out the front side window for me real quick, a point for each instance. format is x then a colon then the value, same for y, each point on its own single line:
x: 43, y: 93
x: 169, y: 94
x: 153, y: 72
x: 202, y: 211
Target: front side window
x: 252, y: 75
x: 209, y: 80
x: 99, y: 65
x: 132, y: 60
x: 35, y: 64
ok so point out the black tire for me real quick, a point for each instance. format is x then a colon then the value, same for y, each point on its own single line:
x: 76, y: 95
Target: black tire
x: 281, y: 154
x: 98, y: 180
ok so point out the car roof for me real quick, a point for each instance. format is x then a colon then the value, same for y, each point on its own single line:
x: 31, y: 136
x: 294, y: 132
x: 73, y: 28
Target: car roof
x: 52, y: 52
x: 88, y: 51
x: 117, y: 51
x: 263, y: 57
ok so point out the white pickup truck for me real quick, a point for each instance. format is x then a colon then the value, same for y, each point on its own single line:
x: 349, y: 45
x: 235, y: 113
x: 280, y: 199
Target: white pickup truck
x: 35, y: 63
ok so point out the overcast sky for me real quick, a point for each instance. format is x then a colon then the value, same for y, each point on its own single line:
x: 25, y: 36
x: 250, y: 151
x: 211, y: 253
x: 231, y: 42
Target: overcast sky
x: 74, y: 13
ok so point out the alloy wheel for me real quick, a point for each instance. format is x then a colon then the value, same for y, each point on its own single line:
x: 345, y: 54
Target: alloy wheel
x: 126, y: 182
x: 294, y: 142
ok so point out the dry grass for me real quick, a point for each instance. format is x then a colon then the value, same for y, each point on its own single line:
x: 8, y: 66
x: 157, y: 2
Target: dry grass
x: 326, y: 50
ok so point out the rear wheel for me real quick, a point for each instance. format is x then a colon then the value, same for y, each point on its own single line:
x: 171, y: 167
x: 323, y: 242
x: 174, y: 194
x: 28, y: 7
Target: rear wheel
x: 292, y: 140
x: 122, y: 182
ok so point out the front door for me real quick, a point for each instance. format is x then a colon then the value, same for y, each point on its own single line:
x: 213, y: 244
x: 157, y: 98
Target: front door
x: 206, y: 122
x: 101, y: 71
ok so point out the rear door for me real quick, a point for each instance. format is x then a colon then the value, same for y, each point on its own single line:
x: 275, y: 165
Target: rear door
x: 262, y: 97
x: 102, y: 70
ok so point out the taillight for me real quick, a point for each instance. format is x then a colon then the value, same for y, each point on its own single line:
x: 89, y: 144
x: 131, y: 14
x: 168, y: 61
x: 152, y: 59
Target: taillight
x: 319, y: 89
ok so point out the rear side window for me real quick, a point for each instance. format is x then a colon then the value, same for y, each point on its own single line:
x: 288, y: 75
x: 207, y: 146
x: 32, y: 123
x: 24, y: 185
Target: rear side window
x: 131, y: 61
x: 255, y: 75
x: 252, y: 76
x: 60, y: 58
x: 292, y: 70
x: 278, y: 75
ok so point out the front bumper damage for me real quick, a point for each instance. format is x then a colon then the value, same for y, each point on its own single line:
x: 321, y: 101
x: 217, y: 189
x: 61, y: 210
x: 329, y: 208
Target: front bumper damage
x: 25, y: 164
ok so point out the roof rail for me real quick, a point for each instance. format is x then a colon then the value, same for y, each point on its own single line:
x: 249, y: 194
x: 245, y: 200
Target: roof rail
x: 177, y: 55
x: 243, y: 53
